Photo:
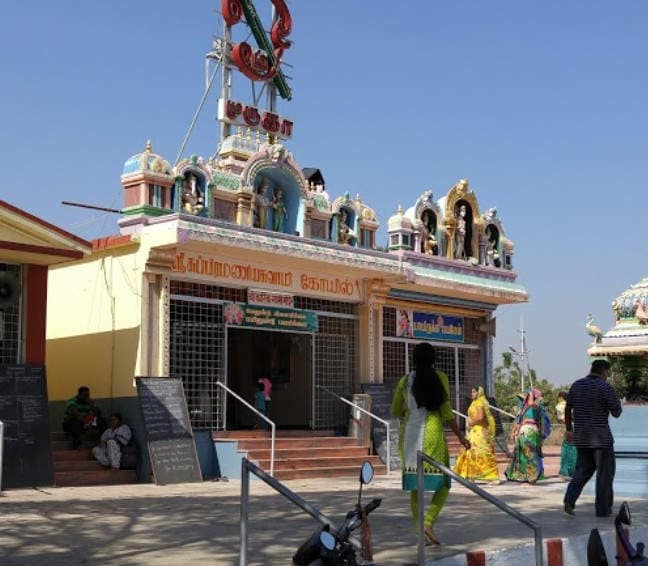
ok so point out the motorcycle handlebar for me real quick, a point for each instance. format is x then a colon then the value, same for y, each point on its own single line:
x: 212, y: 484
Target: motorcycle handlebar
x: 372, y: 505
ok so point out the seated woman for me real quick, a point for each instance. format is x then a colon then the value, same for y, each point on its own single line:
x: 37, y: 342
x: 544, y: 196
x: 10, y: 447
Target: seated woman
x: 479, y: 463
x: 109, y: 451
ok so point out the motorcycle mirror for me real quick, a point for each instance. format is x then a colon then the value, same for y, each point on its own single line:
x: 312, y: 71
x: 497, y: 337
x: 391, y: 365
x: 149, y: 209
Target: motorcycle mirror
x: 327, y: 540
x: 366, y: 472
x: 624, y: 514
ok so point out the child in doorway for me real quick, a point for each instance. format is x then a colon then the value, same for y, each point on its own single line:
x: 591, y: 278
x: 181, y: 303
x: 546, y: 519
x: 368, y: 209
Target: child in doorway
x: 260, y: 405
x: 267, y: 393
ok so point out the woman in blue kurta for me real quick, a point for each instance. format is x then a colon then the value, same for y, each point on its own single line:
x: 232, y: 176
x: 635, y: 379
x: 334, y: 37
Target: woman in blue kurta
x: 422, y: 402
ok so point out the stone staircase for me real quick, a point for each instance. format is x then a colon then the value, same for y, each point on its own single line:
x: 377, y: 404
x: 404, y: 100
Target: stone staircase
x: 304, y: 453
x: 79, y: 468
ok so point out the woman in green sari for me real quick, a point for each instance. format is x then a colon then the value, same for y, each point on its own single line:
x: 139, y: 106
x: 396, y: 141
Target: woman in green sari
x: 422, y: 402
x: 529, y: 430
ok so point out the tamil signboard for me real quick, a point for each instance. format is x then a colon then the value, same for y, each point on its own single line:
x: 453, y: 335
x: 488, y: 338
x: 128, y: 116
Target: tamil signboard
x: 233, y: 271
x: 267, y: 298
x: 429, y: 326
x: 256, y: 316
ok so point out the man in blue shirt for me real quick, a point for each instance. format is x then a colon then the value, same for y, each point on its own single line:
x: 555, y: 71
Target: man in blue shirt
x: 590, y: 401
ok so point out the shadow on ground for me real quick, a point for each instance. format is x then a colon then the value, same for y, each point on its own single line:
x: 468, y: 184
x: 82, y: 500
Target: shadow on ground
x: 163, y: 525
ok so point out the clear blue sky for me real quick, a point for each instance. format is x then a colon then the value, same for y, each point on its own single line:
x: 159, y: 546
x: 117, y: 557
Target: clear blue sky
x: 542, y: 106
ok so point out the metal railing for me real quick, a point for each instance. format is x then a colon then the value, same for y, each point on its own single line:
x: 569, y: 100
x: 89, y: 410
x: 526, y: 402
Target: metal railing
x: 502, y: 411
x: 420, y: 458
x: 260, y: 414
x: 376, y: 417
x: 248, y: 467
x: 639, y: 455
x: 1, y: 451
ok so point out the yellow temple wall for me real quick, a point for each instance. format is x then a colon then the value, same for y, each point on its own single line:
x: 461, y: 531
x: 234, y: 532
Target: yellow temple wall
x: 93, y: 325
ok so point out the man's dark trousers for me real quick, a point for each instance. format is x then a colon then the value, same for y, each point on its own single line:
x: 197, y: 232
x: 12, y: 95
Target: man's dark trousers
x: 588, y: 461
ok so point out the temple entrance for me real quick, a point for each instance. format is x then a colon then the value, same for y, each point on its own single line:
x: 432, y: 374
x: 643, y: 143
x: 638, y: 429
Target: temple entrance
x: 284, y: 357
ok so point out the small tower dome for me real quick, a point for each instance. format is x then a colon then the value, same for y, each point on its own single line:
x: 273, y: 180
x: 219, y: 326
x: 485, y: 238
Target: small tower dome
x: 148, y: 184
x: 146, y: 161
x: 400, y: 229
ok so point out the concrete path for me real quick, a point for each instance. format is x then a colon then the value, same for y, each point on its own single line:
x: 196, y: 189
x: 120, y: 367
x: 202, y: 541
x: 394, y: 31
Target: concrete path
x: 199, y: 523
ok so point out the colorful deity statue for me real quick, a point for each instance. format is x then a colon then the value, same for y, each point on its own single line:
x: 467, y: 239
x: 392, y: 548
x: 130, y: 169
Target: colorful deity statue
x: 460, y: 233
x: 344, y: 231
x: 192, y: 197
x: 261, y: 204
x: 430, y: 244
x: 279, y: 211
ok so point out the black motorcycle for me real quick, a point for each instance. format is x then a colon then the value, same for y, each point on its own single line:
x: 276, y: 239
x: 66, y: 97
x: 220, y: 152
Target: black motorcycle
x: 327, y: 548
x: 596, y: 552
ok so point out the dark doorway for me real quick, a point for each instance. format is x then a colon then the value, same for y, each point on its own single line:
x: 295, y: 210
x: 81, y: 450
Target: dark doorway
x: 284, y: 357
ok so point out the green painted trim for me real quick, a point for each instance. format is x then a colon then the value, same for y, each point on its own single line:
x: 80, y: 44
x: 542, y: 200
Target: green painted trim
x: 146, y: 209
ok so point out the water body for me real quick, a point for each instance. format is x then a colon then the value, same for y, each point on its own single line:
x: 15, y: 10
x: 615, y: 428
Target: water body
x: 630, y: 432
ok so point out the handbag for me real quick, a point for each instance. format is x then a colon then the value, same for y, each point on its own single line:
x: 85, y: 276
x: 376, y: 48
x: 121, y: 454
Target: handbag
x: 431, y: 481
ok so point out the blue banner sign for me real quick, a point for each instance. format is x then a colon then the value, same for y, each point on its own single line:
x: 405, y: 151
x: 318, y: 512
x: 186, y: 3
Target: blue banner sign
x: 429, y: 326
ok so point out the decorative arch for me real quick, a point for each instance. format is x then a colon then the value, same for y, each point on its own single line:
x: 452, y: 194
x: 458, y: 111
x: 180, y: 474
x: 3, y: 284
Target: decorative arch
x: 493, y: 237
x: 430, y: 216
x: 268, y: 171
x: 456, y: 194
x: 352, y: 209
x: 191, y: 196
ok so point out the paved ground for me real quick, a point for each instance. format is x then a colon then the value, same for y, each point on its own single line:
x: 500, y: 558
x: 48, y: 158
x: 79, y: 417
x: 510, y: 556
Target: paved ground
x: 144, y: 524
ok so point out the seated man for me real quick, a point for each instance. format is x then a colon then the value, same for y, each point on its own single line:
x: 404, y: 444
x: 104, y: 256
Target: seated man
x: 82, y: 418
x: 109, y: 451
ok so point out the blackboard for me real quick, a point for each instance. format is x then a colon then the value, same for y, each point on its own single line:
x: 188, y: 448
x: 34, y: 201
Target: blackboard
x: 168, y: 430
x: 381, y: 399
x: 27, y: 458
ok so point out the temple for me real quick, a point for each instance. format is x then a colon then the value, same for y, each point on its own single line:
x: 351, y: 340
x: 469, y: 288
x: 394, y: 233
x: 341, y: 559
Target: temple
x: 243, y: 263
x: 627, y: 341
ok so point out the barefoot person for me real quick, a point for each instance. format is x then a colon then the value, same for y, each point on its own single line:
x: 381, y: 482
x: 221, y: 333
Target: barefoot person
x: 422, y: 402
x: 479, y: 463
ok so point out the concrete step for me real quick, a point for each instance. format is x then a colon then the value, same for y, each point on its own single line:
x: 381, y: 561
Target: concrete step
x: 67, y: 444
x: 324, y: 472
x: 322, y: 452
x: 82, y: 454
x: 77, y: 465
x: 297, y: 433
x: 94, y: 477
x: 285, y: 443
x: 308, y: 463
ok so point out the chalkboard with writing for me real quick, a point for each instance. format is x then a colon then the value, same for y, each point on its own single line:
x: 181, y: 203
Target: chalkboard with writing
x: 381, y: 398
x: 168, y: 430
x: 27, y: 459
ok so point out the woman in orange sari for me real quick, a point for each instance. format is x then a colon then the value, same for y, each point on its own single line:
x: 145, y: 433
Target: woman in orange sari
x: 478, y: 462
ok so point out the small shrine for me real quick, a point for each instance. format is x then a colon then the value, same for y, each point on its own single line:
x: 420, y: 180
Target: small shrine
x: 627, y: 340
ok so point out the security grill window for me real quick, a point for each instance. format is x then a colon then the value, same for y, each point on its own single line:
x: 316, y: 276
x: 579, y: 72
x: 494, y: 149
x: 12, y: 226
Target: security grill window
x: 198, y: 353
x: 10, y: 320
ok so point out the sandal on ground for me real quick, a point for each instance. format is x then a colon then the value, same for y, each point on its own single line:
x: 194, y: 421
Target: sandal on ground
x: 430, y: 537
